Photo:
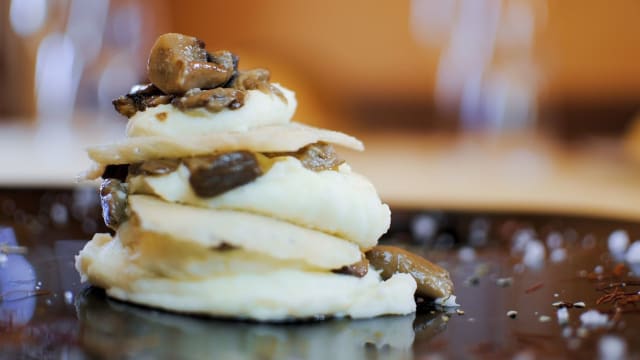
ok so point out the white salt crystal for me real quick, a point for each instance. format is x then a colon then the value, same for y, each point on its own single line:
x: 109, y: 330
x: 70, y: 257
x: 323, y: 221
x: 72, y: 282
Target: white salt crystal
x: 68, y: 297
x: 594, y: 319
x: 633, y: 253
x: 563, y: 316
x: 59, y: 214
x: 554, y: 240
x: 612, y: 347
x: 447, y: 301
x: 534, y: 253
x: 520, y: 240
x: 618, y: 242
x: 544, y: 318
x: 558, y: 255
x: 466, y: 254
x: 424, y: 227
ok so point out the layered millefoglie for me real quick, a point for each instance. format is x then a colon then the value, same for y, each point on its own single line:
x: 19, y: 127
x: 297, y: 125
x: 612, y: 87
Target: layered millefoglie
x: 221, y: 205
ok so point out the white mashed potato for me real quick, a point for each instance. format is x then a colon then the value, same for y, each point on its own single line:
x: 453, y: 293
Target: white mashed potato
x: 276, y: 295
x: 341, y: 202
x: 259, y: 109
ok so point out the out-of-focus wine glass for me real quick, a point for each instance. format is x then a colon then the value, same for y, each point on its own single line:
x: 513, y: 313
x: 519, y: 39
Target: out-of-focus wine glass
x: 62, y: 58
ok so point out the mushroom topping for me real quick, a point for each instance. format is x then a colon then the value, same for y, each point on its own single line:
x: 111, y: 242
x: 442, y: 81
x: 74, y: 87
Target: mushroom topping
x: 140, y: 98
x: 178, y: 63
x: 318, y: 156
x: 113, y: 198
x: 257, y: 79
x: 432, y: 280
x: 213, y: 100
x: 214, y: 175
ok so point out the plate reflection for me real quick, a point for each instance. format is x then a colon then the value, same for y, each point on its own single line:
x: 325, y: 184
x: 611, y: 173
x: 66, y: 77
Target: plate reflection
x: 117, y: 329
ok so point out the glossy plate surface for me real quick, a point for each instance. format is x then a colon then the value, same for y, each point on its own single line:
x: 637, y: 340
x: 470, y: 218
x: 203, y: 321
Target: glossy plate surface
x: 499, y: 263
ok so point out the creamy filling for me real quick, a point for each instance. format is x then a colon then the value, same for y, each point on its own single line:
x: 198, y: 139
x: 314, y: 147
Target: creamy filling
x: 259, y: 109
x: 270, y: 295
x: 340, y: 202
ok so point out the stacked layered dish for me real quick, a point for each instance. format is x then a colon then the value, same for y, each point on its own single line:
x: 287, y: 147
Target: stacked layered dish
x: 221, y: 205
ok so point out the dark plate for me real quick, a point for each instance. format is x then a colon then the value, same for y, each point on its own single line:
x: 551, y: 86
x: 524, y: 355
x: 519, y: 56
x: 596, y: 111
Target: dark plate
x: 46, y: 313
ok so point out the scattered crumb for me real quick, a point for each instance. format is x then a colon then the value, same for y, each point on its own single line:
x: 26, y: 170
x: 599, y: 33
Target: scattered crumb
x: 512, y: 314
x: 589, y: 241
x: 472, y: 280
x: 544, y: 318
x: 518, y: 268
x: 582, y: 332
x: 555, y: 295
x: 459, y: 311
x: 579, y: 304
x: 533, y: 288
x: 482, y: 269
x: 504, y: 282
x: 574, y: 344
x: 161, y: 116
x: 620, y: 270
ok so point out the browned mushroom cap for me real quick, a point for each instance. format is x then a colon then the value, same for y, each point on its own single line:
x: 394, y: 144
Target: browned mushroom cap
x: 432, y: 280
x: 178, y: 63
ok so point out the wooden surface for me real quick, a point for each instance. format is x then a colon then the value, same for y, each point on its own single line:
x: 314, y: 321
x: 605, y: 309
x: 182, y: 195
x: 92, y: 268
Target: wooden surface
x: 472, y: 172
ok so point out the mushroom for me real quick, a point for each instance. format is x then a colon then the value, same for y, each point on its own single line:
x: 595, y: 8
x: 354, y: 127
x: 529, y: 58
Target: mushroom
x: 432, y: 280
x: 178, y: 63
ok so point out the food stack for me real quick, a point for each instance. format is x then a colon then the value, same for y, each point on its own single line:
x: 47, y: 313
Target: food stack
x: 221, y: 205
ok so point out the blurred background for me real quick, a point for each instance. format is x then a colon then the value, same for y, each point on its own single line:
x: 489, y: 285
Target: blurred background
x: 512, y: 105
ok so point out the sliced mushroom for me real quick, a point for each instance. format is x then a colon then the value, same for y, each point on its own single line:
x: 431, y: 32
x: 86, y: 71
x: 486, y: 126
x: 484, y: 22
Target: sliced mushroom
x: 433, y: 281
x: 318, y: 156
x: 213, y: 100
x: 178, y: 63
x: 140, y: 98
x: 214, y: 175
x: 257, y: 79
x: 113, y: 198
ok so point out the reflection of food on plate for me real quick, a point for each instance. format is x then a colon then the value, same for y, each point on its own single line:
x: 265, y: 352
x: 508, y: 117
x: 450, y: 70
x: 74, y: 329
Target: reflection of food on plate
x: 224, y: 206
x: 115, y: 328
